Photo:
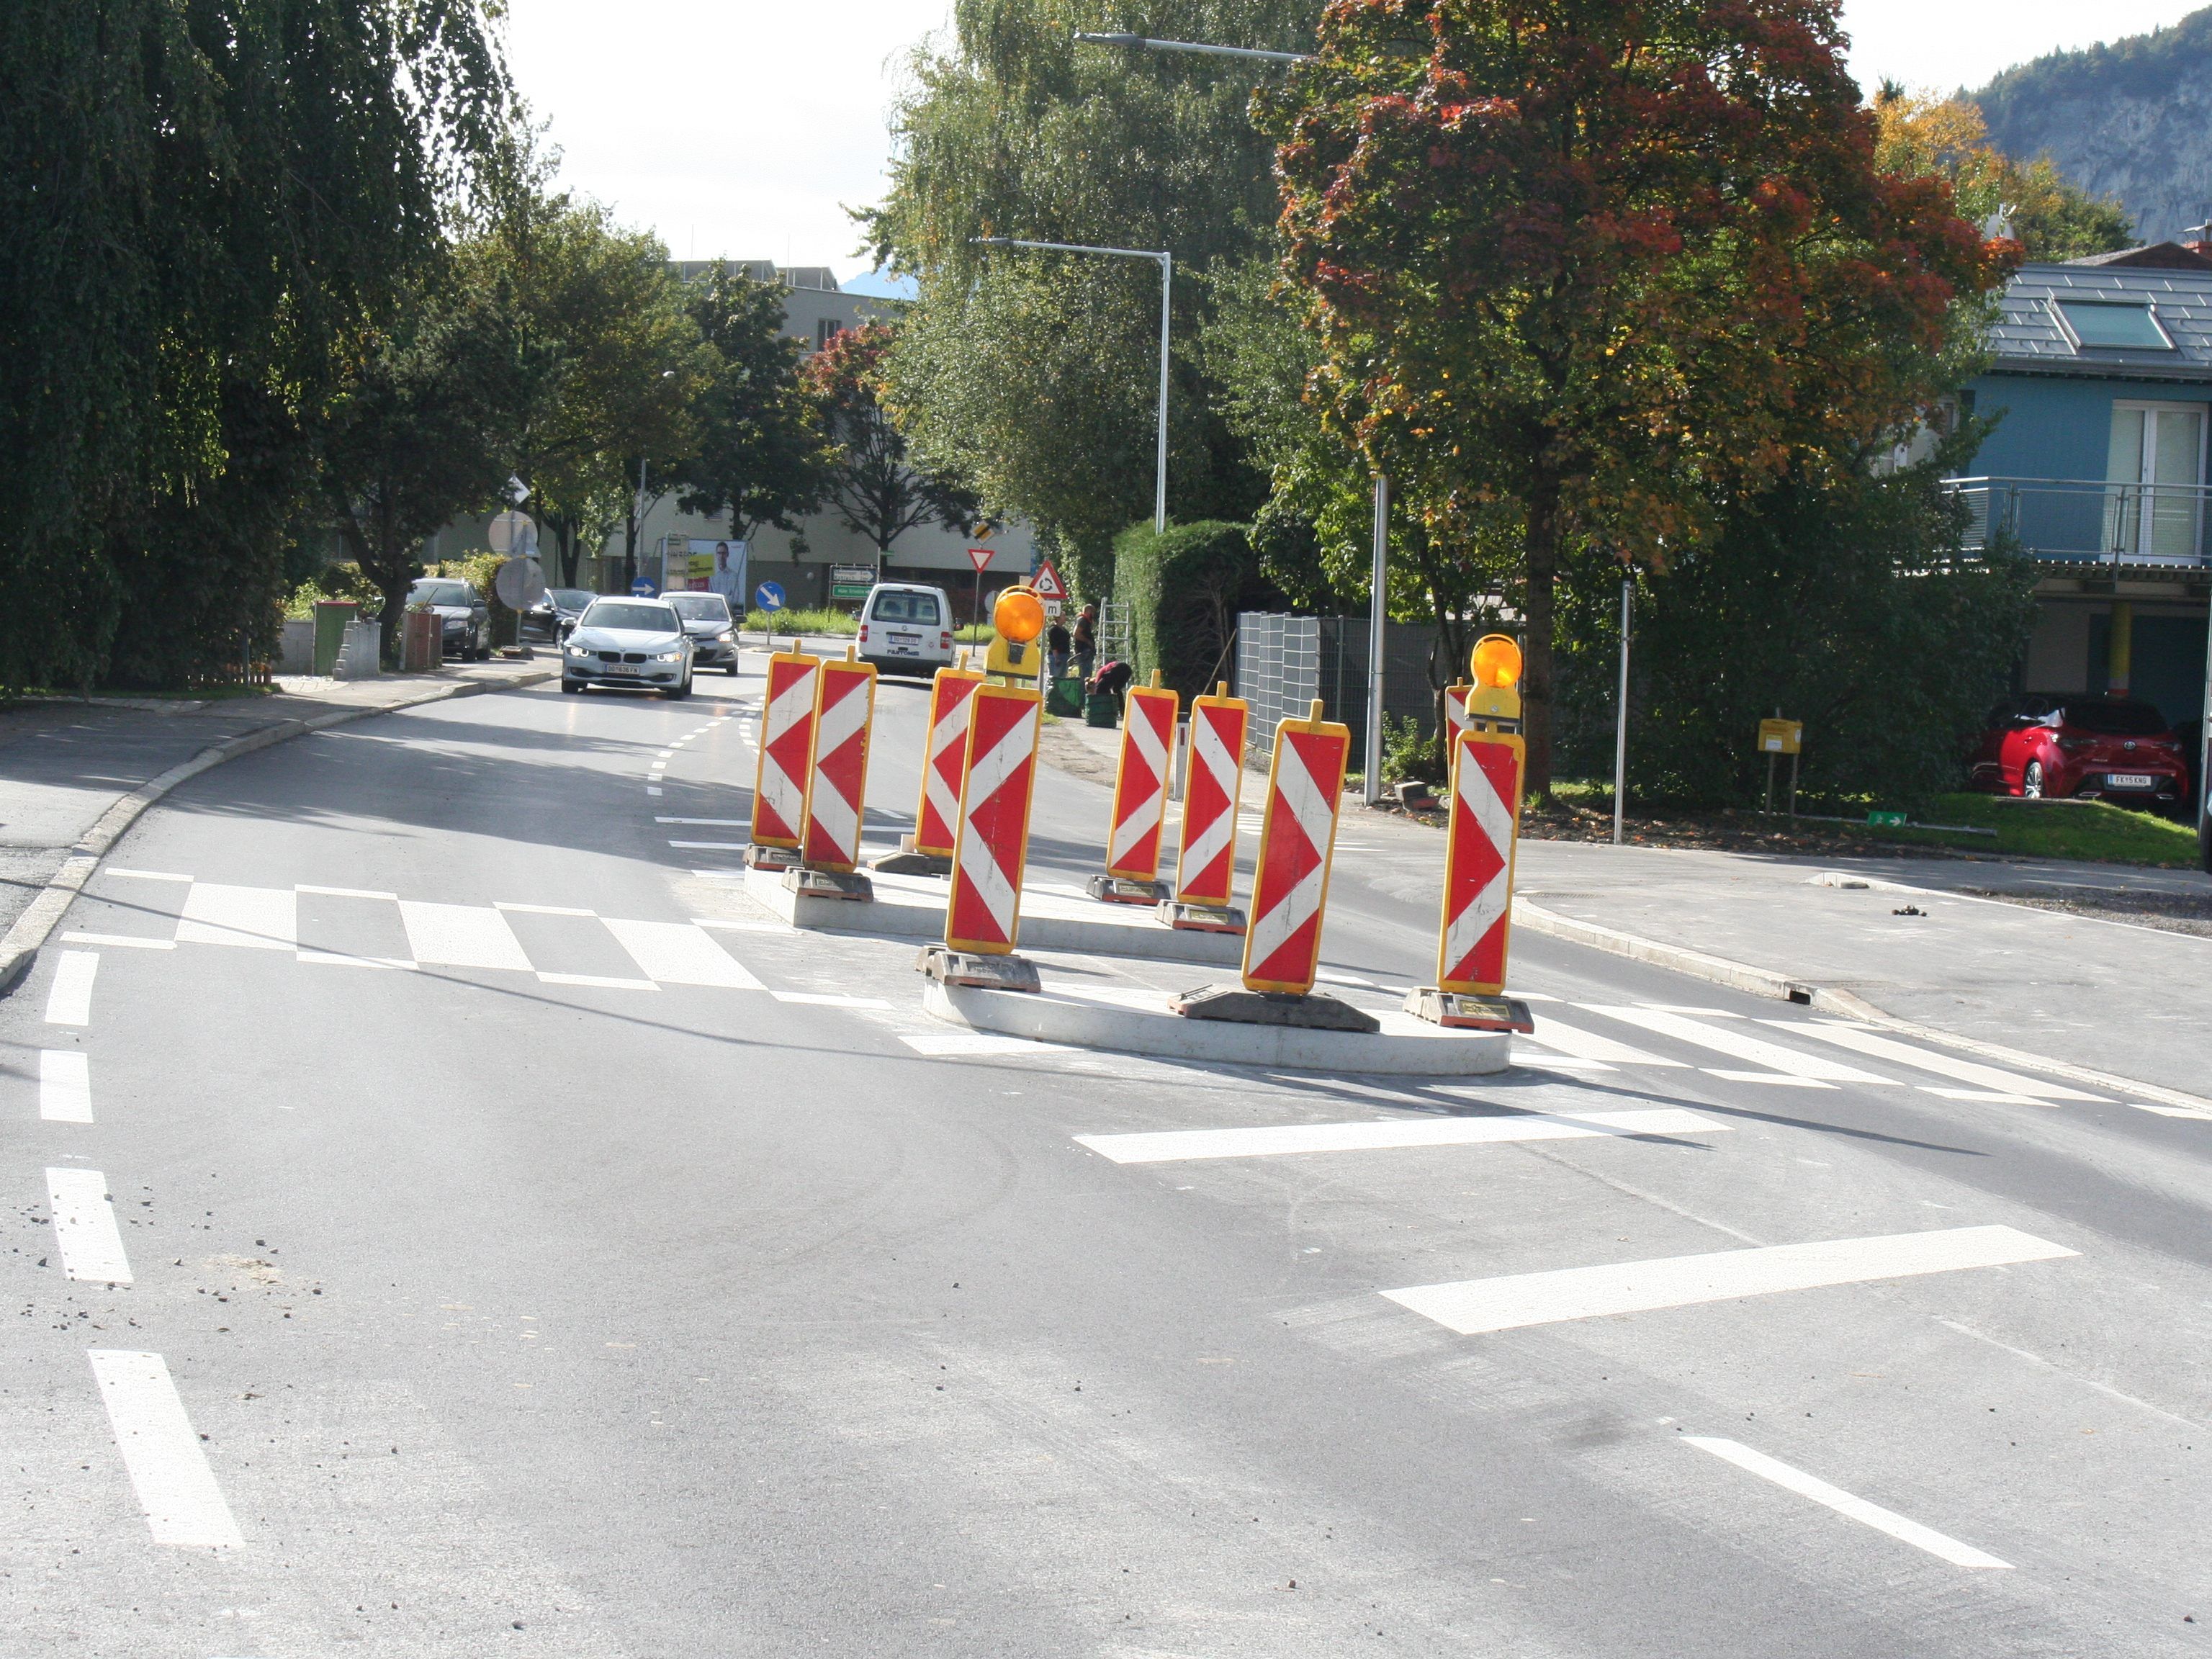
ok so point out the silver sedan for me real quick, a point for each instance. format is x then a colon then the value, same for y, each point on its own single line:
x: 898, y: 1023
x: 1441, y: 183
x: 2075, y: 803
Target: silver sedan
x: 639, y: 642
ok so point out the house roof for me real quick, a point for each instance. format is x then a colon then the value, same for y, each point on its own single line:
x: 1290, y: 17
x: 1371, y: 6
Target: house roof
x: 2029, y: 337
x: 2157, y: 256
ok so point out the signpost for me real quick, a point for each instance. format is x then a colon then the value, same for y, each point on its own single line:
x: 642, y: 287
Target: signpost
x: 851, y: 581
x: 979, y: 556
x: 1781, y: 737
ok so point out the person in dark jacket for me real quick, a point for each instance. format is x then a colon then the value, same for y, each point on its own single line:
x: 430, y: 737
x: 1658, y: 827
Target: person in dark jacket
x: 1086, y: 641
x: 1055, y: 651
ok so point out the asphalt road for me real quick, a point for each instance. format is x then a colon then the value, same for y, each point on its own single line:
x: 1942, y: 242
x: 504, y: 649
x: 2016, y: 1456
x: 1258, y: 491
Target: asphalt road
x: 516, y: 1265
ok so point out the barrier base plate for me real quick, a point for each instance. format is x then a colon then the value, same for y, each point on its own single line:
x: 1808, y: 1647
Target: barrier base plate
x: 1202, y: 918
x: 828, y: 883
x: 771, y: 858
x: 946, y: 966
x: 1308, y: 1013
x: 908, y: 862
x: 1457, y: 1011
x: 1120, y: 890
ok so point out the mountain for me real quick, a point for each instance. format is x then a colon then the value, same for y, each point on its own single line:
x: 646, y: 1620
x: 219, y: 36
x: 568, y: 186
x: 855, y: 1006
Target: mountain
x: 2131, y: 120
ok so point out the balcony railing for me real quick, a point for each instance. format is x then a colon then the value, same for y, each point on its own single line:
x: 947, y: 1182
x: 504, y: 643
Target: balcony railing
x: 2088, y: 521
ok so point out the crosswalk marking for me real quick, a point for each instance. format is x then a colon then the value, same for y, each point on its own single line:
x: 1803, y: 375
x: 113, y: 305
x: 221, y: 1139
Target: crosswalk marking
x: 1573, y: 1041
x: 603, y: 982
x: 84, y: 1227
x: 953, y: 1045
x: 68, y: 1000
x: 347, y: 892
x: 1996, y: 1082
x: 1167, y: 1146
x: 1791, y: 1062
x: 676, y: 953
x: 64, y: 1086
x: 461, y: 936
x: 263, y: 918
x: 1843, y: 1503
x: 125, y: 941
x: 1772, y: 1080
x: 1475, y: 1306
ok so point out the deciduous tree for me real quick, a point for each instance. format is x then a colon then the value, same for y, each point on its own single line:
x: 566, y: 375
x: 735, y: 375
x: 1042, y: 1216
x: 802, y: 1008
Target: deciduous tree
x: 874, y: 487
x: 762, y: 454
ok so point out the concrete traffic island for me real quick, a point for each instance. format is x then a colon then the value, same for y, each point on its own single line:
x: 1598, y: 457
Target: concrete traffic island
x: 1137, y: 1021
x: 912, y: 907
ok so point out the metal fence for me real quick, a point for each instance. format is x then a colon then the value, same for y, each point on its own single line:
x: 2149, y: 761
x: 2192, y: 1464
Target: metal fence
x: 2088, y: 519
x: 1284, y: 662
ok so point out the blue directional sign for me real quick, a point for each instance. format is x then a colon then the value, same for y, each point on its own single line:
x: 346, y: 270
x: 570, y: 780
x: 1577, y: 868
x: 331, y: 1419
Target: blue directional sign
x: 642, y: 589
x: 768, y: 596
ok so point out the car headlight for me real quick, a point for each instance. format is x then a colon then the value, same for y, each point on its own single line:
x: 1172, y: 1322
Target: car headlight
x: 726, y: 637
x: 578, y: 650
x: 669, y: 656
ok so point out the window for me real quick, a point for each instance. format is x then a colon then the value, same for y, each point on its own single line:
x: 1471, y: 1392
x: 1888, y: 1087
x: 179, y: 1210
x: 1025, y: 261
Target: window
x: 826, y: 329
x: 892, y: 606
x: 2114, y: 323
x: 2155, y: 464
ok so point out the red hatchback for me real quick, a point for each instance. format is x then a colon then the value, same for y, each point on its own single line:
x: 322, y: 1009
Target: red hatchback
x: 2059, y: 745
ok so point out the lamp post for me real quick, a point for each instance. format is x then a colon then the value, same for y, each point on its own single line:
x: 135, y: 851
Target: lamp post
x: 1167, y: 287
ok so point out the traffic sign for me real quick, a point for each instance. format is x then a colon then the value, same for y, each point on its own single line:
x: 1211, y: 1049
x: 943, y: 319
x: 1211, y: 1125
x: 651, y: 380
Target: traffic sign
x: 979, y: 557
x: 1047, y: 583
x: 512, y: 532
x: 1486, y: 812
x: 1781, y: 737
x: 519, y: 584
x: 1297, y: 839
x: 642, y: 588
x: 768, y: 596
x: 851, y: 581
x: 1205, y: 867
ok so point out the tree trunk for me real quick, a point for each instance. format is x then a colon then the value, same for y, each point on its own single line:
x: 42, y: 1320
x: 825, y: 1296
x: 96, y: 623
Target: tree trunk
x: 1540, y: 560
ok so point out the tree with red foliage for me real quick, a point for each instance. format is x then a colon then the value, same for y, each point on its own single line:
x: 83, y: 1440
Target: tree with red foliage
x: 1586, y: 271
x: 872, y: 485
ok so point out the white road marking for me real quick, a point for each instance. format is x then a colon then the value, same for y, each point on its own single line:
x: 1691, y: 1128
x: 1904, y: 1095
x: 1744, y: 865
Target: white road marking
x: 69, y: 1002
x: 177, y: 1490
x: 1589, y: 1045
x: 1843, y: 1503
x: 541, y: 910
x: 345, y: 892
x: 826, y: 1000
x: 85, y: 1231
x: 1476, y: 1305
x: 712, y: 846
x: 126, y: 941
x: 974, y: 1045
x: 143, y: 875
x: 2169, y: 1111
x: 711, y: 824
x: 347, y: 959
x: 259, y: 917
x: 604, y: 981
x: 1566, y: 1063
x: 652, y: 792
x: 723, y: 875
x: 1687, y: 1008
x: 1992, y: 1097
x: 64, y: 1086
x: 461, y: 936
x: 738, y: 927
x: 1790, y: 1062
x: 1990, y: 1078
x: 676, y: 953
x: 1175, y: 1145
x: 1773, y: 1079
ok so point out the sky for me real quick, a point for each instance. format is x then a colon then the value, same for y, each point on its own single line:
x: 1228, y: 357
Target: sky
x: 744, y: 128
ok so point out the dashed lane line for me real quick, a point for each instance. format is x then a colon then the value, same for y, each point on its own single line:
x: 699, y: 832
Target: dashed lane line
x: 183, y: 1505
x: 85, y: 1232
x: 1476, y: 1306
x: 64, y: 1086
x: 69, y: 1000
x: 1844, y: 1503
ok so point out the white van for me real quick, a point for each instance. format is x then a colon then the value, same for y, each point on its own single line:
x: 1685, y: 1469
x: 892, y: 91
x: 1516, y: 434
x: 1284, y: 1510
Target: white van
x: 906, y: 630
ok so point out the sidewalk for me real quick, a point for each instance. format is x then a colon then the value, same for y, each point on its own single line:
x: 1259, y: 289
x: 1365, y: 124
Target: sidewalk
x: 69, y: 767
x: 2109, y: 995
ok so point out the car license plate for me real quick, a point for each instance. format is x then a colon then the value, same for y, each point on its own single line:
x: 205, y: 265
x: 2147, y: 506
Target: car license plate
x: 620, y: 668
x: 2128, y: 781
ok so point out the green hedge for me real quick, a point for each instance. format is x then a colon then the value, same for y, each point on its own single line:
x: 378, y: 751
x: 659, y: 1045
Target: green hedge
x: 1184, y: 588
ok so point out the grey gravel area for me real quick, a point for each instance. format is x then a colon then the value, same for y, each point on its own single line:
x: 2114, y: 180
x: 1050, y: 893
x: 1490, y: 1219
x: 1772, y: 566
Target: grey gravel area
x: 2176, y: 913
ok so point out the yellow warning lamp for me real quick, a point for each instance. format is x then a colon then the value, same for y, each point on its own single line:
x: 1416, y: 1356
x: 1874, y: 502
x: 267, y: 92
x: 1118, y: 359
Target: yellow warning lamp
x: 1496, y: 666
x: 1018, y: 618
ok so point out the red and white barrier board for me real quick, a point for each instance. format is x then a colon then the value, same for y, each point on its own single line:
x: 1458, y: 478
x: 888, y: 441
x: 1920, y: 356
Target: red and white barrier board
x: 837, y: 777
x: 1455, y: 708
x: 1485, y: 827
x: 1297, y: 838
x: 983, y: 913
x: 786, y: 744
x: 1140, y: 783
x: 1206, y: 863
x: 945, y: 753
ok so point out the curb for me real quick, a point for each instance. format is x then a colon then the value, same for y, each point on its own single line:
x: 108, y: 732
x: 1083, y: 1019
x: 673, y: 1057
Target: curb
x: 1831, y: 1000
x: 19, y: 950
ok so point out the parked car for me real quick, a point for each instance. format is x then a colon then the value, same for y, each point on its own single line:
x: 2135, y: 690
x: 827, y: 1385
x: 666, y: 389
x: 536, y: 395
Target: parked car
x: 905, y: 628
x: 2064, y: 745
x: 556, y: 613
x: 634, y: 642
x: 465, y: 618
x: 712, y: 629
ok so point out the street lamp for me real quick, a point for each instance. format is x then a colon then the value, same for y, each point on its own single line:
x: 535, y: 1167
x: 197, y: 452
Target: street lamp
x: 1167, y: 275
x: 1141, y: 43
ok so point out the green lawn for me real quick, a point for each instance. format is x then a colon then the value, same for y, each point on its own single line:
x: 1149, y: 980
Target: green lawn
x: 2057, y: 829
x: 840, y: 625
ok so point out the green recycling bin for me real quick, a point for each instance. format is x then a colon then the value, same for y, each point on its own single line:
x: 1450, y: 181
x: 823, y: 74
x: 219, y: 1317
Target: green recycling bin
x: 331, y: 617
x: 1102, y: 709
x: 1064, y: 696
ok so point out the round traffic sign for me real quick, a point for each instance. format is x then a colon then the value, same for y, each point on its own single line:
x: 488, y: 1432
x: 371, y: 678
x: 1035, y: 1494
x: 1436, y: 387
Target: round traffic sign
x: 519, y: 584
x: 512, y: 532
x: 642, y: 589
x: 768, y: 596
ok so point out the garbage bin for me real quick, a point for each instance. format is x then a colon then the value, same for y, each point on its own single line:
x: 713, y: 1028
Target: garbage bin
x: 331, y: 617
x: 421, y: 642
x: 1102, y: 709
x: 1064, y: 696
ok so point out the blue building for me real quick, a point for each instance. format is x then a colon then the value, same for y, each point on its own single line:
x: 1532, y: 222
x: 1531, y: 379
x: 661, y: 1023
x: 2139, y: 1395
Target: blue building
x: 2102, y: 382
